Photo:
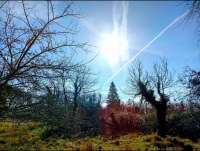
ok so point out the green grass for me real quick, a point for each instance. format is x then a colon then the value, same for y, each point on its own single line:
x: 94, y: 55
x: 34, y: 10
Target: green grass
x: 29, y: 138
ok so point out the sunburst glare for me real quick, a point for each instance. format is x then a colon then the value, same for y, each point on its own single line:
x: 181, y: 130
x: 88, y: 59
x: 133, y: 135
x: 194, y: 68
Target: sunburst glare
x: 113, y: 46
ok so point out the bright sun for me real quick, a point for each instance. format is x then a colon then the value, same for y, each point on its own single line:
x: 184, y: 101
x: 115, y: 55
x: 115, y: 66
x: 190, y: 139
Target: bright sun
x: 113, y: 45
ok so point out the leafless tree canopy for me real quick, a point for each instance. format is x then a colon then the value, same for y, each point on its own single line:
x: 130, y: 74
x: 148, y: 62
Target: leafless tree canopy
x: 32, y: 44
x: 191, y: 82
x: 153, y: 87
x: 82, y: 81
x: 193, y: 6
x: 159, y: 81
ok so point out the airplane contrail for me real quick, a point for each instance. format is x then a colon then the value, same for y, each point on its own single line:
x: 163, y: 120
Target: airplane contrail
x: 172, y: 23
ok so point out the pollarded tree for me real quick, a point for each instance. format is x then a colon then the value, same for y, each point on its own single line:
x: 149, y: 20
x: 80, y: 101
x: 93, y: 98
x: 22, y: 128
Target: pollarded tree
x: 113, y: 96
x: 153, y: 88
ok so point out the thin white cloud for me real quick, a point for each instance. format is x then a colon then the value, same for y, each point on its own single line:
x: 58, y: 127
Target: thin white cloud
x: 123, y: 30
x: 120, y: 13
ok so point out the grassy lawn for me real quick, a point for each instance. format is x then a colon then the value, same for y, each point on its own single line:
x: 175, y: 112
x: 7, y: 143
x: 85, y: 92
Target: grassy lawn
x: 30, y: 138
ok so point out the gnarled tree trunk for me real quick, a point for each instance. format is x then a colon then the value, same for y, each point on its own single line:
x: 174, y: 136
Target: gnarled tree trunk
x: 160, y: 106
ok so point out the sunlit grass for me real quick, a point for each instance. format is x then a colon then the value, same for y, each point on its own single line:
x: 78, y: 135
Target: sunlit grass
x: 26, y: 138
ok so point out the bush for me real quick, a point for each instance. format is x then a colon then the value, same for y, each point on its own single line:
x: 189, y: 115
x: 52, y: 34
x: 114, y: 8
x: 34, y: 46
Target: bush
x: 184, y: 121
x: 126, y: 118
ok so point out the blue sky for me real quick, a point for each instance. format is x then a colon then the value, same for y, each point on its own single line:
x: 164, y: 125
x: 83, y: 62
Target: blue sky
x: 138, y: 23
x: 122, y: 29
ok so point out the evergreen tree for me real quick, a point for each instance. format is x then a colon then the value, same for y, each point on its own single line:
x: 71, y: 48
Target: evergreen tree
x: 113, y: 96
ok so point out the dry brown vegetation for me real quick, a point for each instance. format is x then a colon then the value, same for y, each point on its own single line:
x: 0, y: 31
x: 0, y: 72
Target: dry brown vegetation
x: 24, y: 138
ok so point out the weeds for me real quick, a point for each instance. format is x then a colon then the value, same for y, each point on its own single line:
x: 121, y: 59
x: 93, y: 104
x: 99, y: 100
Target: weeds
x: 32, y: 137
x: 128, y: 148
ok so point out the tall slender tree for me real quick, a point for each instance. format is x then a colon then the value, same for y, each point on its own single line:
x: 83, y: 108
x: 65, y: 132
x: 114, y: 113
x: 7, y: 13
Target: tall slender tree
x: 113, y: 96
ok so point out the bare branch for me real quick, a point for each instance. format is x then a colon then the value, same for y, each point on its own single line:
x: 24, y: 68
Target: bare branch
x: 33, y: 45
x: 190, y: 79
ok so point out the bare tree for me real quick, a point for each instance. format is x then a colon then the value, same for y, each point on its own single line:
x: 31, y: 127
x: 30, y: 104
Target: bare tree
x: 2, y: 3
x: 82, y: 83
x: 193, y: 8
x: 33, y: 46
x: 73, y: 83
x: 190, y: 79
x: 152, y: 87
x: 31, y: 43
x: 66, y: 100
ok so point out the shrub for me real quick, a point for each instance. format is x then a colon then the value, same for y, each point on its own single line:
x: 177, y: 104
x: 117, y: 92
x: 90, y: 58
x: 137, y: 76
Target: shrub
x: 123, y: 119
x: 183, y: 120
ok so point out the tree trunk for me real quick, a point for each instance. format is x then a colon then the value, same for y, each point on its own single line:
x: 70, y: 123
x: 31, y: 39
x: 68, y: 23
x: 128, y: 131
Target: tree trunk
x: 74, y: 108
x: 3, y: 103
x: 161, y: 117
x: 75, y: 102
x: 115, y: 123
x: 160, y: 106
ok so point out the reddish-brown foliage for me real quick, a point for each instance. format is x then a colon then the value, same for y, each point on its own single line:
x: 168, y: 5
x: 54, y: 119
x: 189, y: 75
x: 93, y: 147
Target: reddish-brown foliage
x: 122, y: 119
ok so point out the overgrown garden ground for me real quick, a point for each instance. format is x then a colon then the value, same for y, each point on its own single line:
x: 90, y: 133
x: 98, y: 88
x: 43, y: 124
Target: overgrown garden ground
x: 31, y: 138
